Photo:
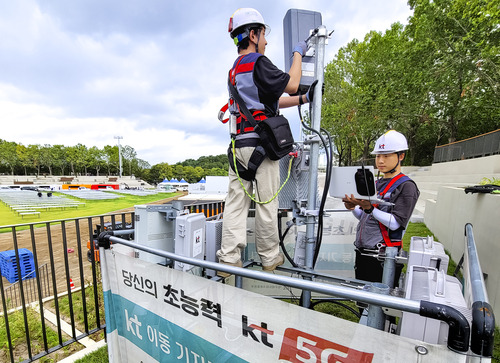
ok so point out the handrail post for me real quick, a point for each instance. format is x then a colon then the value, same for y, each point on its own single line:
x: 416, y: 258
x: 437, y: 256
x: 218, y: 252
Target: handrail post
x: 483, y: 319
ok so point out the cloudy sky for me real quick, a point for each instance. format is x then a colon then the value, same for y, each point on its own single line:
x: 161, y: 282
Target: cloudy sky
x: 151, y: 71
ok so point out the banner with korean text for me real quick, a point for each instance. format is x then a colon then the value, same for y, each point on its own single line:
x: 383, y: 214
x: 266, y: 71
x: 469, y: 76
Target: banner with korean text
x: 158, y: 314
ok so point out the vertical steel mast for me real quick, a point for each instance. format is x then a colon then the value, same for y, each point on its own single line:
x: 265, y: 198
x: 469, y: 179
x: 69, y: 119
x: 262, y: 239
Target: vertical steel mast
x: 319, y: 42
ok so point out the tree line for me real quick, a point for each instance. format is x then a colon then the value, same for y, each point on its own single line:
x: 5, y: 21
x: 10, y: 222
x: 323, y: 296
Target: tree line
x: 18, y: 159
x: 64, y: 160
x: 436, y: 80
x: 190, y: 170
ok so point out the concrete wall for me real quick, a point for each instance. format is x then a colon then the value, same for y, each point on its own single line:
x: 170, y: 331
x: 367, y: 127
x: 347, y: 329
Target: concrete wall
x: 446, y: 218
x: 487, y: 165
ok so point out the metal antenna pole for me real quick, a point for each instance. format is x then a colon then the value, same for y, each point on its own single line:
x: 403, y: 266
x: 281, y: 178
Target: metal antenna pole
x: 119, y: 153
x: 320, y: 41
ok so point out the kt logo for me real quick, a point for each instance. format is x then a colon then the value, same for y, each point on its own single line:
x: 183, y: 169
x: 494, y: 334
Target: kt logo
x: 249, y: 330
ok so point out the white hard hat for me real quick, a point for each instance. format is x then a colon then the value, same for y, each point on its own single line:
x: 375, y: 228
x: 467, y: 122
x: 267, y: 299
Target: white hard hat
x: 390, y: 142
x: 242, y: 19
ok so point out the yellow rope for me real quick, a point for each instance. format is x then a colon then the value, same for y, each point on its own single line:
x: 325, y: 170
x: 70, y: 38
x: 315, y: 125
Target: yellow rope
x: 246, y: 192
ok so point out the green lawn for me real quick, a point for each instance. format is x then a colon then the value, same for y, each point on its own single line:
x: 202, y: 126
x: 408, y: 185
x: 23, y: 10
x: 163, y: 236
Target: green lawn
x: 99, y: 356
x: 18, y: 338
x: 92, y: 207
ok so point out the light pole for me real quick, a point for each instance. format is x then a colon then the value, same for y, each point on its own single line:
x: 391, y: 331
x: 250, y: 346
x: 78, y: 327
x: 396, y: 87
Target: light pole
x: 119, y: 152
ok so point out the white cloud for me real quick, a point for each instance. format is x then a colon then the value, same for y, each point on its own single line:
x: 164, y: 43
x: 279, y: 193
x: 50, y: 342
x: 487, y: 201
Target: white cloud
x: 153, y: 72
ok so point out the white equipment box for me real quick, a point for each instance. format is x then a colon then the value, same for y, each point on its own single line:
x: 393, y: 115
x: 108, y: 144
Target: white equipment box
x: 429, y: 284
x: 424, y: 251
x: 189, y: 238
x: 152, y: 229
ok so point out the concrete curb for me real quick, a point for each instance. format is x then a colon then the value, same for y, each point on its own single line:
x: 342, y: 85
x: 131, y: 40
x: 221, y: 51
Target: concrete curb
x: 82, y: 353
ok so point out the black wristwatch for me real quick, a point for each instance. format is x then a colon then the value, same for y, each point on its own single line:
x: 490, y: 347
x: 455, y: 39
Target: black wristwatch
x: 369, y: 210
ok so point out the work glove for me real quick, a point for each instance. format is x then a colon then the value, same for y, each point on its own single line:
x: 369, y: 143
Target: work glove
x: 300, y: 48
x: 310, y: 91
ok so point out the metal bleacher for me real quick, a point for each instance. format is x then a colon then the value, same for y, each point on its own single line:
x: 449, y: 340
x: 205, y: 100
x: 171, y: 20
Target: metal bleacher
x: 32, y: 203
x: 89, y: 194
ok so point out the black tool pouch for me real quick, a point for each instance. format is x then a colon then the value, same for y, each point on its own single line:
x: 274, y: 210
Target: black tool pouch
x: 276, y: 136
x: 275, y: 133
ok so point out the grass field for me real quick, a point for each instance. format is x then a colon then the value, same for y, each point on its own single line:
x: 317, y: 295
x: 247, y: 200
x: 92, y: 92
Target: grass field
x: 92, y: 207
x: 99, y: 356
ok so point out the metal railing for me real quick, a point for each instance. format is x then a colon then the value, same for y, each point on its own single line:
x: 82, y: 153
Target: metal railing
x: 460, y: 338
x: 67, y: 281
x: 209, y: 209
x: 478, y: 146
x: 13, y: 292
x: 67, y: 285
x: 483, y: 319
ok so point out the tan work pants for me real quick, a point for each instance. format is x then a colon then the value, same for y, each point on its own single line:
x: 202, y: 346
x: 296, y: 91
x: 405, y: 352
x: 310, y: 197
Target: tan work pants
x: 234, y: 234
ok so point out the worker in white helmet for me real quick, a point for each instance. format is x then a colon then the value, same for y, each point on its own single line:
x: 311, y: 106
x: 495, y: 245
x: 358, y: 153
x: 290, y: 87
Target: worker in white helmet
x: 260, y: 84
x: 383, y: 225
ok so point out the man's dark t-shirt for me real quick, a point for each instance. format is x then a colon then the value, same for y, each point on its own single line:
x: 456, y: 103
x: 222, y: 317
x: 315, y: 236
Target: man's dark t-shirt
x: 271, y: 82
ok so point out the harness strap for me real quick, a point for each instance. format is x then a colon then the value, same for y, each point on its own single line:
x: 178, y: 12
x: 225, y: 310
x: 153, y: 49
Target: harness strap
x: 244, y: 120
x: 257, y: 115
x: 232, y: 78
x: 393, y: 184
x: 385, y: 235
x: 223, y: 110
x: 234, y: 70
x: 245, y: 125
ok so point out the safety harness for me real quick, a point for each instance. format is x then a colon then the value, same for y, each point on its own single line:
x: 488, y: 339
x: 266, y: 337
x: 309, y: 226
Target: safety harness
x: 241, y: 68
x: 246, y: 120
x: 385, y: 194
x: 244, y: 132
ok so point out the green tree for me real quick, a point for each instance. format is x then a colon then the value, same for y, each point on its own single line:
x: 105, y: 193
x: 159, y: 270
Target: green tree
x: 59, y: 157
x: 34, y: 156
x: 95, y: 159
x: 47, y: 157
x: 158, y: 173
x: 190, y: 162
x: 140, y: 167
x: 207, y: 162
x: 217, y: 172
x: 111, y: 158
x: 190, y: 174
x: 77, y: 156
x: 199, y: 173
x: 129, y: 155
x: 437, y: 80
x: 178, y: 171
x: 463, y: 42
x: 8, y: 154
x: 357, y: 94
x: 24, y: 160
